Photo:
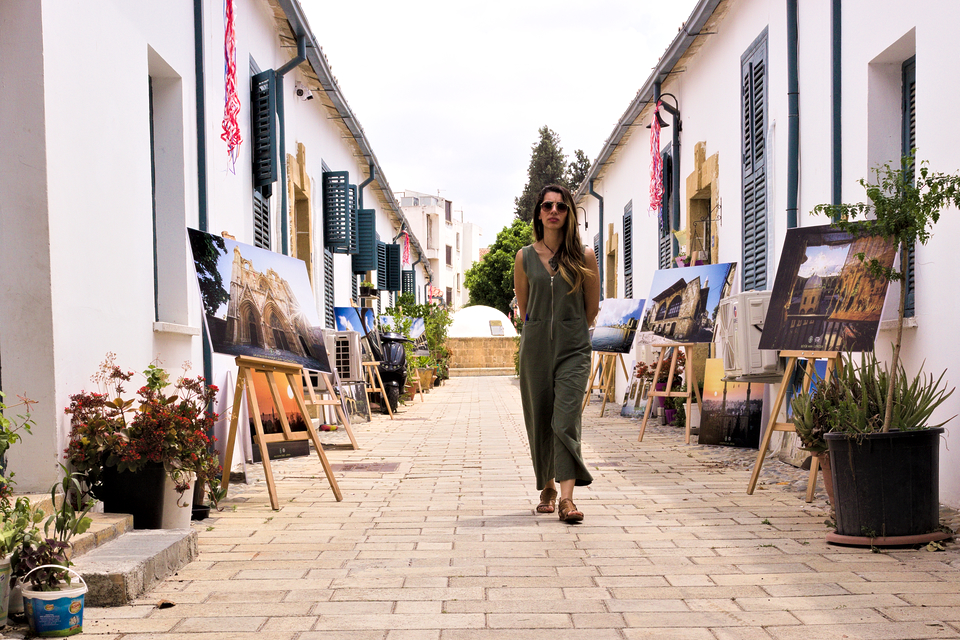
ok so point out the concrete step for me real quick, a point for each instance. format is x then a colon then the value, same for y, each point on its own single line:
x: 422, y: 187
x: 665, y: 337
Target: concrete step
x: 124, y: 568
x: 465, y: 372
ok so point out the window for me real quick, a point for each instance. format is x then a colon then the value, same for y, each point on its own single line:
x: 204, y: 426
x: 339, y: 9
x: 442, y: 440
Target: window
x: 909, y: 136
x: 449, y: 297
x: 449, y: 256
x: 753, y: 84
x: 458, y: 243
x: 458, y: 283
x: 409, y: 281
x: 628, y: 250
x: 674, y: 309
x: 366, y: 257
x: 339, y: 212
x: 448, y: 211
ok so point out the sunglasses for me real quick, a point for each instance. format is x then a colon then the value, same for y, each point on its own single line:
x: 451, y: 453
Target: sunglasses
x: 549, y: 206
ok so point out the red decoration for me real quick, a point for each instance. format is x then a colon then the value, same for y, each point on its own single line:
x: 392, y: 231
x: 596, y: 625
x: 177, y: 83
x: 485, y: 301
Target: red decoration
x: 231, y: 99
x: 656, y: 164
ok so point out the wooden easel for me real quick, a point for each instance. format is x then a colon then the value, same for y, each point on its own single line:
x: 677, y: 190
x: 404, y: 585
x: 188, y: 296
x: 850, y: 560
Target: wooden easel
x: 693, y: 390
x: 329, y: 399
x: 374, y: 383
x: 248, y: 367
x: 833, y: 359
x: 604, y: 364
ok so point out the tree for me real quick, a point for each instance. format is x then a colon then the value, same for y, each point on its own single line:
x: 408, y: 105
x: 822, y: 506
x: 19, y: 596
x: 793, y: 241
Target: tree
x: 207, y: 250
x: 548, y: 165
x: 490, y: 280
x: 577, y: 170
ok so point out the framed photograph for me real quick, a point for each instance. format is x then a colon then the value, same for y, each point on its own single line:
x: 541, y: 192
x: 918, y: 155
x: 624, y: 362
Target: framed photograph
x: 683, y: 303
x: 732, y: 411
x: 257, y: 303
x: 616, y: 325
x: 824, y: 297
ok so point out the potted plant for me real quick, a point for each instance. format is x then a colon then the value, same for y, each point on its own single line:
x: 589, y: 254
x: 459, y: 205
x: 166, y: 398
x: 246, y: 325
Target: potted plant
x: 366, y: 289
x: 134, y: 452
x: 890, y: 425
x: 11, y: 430
x: 53, y: 605
x: 811, y: 415
x: 426, y: 369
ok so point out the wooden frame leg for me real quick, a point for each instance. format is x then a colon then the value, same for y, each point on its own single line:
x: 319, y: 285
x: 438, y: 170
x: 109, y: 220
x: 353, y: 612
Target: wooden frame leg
x: 232, y: 433
x: 771, y: 426
x: 312, y: 433
x: 258, y: 426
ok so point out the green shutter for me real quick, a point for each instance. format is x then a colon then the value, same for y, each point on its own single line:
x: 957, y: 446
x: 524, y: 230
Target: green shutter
x: 336, y: 211
x: 665, y: 239
x: 328, y: 289
x: 393, y: 267
x: 366, y: 257
x: 409, y: 281
x: 754, y: 170
x: 596, y: 248
x: 381, y: 266
x: 352, y: 248
x: 628, y: 250
x: 261, y: 220
x: 264, y: 123
x: 909, y: 144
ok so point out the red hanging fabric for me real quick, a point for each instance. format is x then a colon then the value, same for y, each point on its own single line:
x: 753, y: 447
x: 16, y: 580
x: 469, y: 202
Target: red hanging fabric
x: 656, y: 164
x: 231, y: 100
x: 406, y: 247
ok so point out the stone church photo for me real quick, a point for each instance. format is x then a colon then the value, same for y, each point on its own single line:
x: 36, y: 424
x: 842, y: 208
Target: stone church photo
x: 257, y: 303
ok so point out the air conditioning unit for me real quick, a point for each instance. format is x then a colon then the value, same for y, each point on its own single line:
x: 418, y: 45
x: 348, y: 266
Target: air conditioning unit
x: 739, y: 325
x: 343, y: 350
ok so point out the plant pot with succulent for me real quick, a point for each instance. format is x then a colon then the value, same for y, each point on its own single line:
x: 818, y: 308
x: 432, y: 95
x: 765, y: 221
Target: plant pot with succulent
x: 366, y: 289
x: 810, y: 417
x: 141, y: 455
x: 426, y: 369
x: 884, y: 452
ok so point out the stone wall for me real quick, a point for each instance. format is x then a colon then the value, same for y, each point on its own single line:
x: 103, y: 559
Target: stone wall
x: 480, y: 355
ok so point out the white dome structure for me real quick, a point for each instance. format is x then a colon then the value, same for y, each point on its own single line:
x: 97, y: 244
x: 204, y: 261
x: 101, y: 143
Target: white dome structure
x: 480, y: 322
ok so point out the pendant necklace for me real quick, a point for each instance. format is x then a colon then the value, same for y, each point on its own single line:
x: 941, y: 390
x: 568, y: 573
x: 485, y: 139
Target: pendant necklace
x: 553, y: 262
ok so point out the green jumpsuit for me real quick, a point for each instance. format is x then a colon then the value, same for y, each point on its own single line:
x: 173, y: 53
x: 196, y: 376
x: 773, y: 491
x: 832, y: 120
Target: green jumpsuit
x: 554, y: 367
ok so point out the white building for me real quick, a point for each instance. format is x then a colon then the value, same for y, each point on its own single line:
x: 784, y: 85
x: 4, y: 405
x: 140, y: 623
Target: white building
x: 109, y: 152
x: 452, y: 244
x: 871, y: 81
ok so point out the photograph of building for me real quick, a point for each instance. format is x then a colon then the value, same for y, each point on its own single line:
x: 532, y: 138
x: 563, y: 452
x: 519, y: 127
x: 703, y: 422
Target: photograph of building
x: 683, y: 302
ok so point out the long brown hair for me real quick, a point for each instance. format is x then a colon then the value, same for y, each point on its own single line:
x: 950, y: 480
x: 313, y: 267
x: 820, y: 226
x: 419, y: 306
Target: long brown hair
x: 571, y: 260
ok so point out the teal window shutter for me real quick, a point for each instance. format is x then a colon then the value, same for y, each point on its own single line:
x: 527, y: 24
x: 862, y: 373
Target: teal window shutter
x: 408, y: 281
x: 909, y: 128
x: 354, y: 214
x: 628, y: 250
x: 336, y: 211
x: 596, y: 248
x: 393, y: 267
x: 365, y: 259
x: 381, y: 266
x: 261, y: 220
x: 753, y: 78
x: 264, y: 139
x: 665, y: 244
x: 328, y: 289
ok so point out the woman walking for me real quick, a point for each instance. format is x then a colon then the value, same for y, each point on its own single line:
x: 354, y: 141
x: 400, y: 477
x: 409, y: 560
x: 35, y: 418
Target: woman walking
x: 558, y: 291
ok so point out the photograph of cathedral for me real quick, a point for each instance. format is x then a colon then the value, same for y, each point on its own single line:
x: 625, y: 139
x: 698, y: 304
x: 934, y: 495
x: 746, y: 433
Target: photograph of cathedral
x: 683, y: 303
x: 824, y: 297
x: 257, y: 303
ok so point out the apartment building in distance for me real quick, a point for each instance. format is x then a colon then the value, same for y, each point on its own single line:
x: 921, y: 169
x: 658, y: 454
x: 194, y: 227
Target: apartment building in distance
x: 451, y: 244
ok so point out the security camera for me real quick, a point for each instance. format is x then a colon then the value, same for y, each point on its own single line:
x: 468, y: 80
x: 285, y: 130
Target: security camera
x: 303, y: 92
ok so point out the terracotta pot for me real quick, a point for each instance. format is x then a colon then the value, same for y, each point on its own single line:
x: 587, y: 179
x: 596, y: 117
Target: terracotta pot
x: 827, y: 475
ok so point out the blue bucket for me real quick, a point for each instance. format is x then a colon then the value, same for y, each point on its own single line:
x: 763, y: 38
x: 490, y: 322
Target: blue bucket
x: 54, y: 614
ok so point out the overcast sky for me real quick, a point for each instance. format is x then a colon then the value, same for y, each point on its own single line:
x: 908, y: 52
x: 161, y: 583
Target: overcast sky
x: 451, y: 94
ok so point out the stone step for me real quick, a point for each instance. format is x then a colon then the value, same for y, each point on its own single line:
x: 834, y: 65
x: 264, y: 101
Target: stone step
x: 464, y: 372
x: 126, y: 567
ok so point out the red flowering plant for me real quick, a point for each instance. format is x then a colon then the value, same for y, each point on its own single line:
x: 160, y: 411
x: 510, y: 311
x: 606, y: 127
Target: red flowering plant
x: 110, y: 431
x: 645, y: 370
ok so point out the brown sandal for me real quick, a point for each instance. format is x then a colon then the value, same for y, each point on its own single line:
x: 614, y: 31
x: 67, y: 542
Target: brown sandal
x: 548, y: 499
x: 568, y: 511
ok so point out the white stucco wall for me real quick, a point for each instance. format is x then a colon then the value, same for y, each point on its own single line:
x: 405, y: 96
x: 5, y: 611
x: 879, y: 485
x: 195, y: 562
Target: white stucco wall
x: 877, y: 37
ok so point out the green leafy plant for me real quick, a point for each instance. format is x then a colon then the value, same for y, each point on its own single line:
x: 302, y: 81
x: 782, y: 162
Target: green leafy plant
x: 110, y: 431
x: 53, y: 547
x: 11, y: 432
x: 904, y: 204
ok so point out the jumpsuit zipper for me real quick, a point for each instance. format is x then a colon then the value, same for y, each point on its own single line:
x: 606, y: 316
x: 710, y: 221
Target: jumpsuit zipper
x: 552, y: 310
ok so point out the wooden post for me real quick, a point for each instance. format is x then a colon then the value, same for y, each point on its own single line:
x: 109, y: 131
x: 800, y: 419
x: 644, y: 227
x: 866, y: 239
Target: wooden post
x: 373, y: 382
x: 832, y: 358
x: 332, y: 401
x: 247, y: 368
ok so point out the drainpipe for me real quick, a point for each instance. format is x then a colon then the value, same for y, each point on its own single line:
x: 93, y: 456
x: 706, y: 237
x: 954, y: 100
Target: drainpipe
x: 599, y: 234
x: 793, y: 115
x: 201, y: 156
x: 373, y: 173
x: 278, y: 74
x: 835, y: 27
x: 414, y: 268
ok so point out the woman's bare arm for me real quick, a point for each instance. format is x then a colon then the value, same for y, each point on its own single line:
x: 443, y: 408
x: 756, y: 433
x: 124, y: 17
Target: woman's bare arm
x: 591, y: 287
x: 520, y: 285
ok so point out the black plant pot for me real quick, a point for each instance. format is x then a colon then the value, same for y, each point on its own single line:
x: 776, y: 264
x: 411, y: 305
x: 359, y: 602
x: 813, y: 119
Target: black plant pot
x: 887, y: 486
x: 138, y: 493
x: 200, y: 512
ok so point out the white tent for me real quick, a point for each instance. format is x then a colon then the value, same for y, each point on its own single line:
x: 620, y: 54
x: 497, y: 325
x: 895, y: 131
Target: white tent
x: 480, y: 322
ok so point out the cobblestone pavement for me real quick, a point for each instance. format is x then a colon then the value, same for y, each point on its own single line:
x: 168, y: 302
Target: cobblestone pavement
x: 436, y: 539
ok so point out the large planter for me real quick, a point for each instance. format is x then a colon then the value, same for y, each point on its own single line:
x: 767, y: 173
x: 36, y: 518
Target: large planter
x: 141, y: 494
x: 5, y: 571
x: 886, y: 487
x: 826, y: 472
x: 426, y: 376
x: 177, y: 508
